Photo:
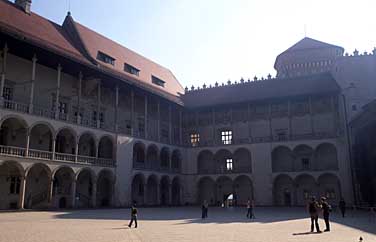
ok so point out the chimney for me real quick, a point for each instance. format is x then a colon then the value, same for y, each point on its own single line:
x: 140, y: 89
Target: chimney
x: 24, y: 4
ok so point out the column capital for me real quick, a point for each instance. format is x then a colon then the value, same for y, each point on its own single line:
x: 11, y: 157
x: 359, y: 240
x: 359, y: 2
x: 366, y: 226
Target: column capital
x: 59, y: 67
x: 34, y: 59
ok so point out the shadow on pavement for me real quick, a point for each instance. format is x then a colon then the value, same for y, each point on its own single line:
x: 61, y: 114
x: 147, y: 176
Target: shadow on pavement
x: 187, y: 215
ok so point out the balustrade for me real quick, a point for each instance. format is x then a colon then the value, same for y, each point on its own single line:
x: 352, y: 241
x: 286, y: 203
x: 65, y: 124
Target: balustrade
x: 12, y: 151
x: 40, y: 154
x: 19, y: 107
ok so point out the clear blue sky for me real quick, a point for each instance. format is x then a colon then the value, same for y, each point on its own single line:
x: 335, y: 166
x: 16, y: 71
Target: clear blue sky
x: 204, y: 41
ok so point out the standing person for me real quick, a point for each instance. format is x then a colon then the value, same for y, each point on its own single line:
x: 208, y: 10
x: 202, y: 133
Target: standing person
x: 342, y: 207
x: 250, y: 205
x: 313, y: 209
x: 206, y: 206
x: 133, y: 216
x: 326, y: 209
x: 204, y: 210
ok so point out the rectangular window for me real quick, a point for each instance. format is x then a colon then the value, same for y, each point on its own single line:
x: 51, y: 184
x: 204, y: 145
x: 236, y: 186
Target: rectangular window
x: 195, y: 139
x: 131, y: 69
x: 305, y: 163
x: 229, y: 164
x: 226, y: 137
x: 8, y: 93
x: 14, y: 185
x: 105, y: 58
x: 101, y: 116
x: 157, y: 81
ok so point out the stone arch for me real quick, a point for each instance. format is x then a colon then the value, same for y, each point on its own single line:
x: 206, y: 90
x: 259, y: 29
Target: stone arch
x: 222, y: 158
x: 105, y: 188
x: 225, y: 187
x: 13, y: 132
x: 282, y: 159
x: 11, y: 175
x: 205, y: 162
x: 326, y: 157
x: 243, y: 190
x: 176, y: 160
x: 106, y: 147
x: 152, y: 190
x: 66, y: 140
x: 87, y: 145
x: 283, y: 190
x: 242, y: 160
x: 176, y: 190
x: 165, y: 190
x: 306, y: 187
x: 44, y: 123
x: 41, y: 136
x: 14, y: 116
x: 303, y: 155
x: 206, y: 190
x: 62, y: 190
x: 152, y: 157
x: 138, y: 189
x: 330, y: 187
x: 138, y: 154
x: 38, y: 186
x: 85, y: 181
x: 165, y: 158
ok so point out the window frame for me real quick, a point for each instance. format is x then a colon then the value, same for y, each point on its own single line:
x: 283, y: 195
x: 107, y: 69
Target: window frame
x: 227, y: 136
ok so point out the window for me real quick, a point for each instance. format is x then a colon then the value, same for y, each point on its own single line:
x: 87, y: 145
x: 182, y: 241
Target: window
x: 131, y: 69
x: 141, y: 189
x: 306, y: 194
x: 101, y: 116
x: 229, y: 164
x: 14, y: 185
x: 63, y: 104
x: 281, y: 135
x: 226, y: 137
x: 305, y: 163
x: 354, y: 107
x: 105, y: 58
x: 157, y: 81
x: 8, y: 93
x: 195, y: 139
x: 330, y: 194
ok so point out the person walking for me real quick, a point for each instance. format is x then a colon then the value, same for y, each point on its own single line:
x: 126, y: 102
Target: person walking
x: 133, y: 216
x: 342, y: 207
x: 326, y: 209
x: 204, y: 209
x: 313, y: 209
x: 250, y: 205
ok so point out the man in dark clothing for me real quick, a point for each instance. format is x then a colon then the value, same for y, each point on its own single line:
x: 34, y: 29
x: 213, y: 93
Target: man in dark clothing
x: 326, y: 209
x: 342, y: 207
x: 133, y: 216
x: 313, y: 209
x: 204, y: 209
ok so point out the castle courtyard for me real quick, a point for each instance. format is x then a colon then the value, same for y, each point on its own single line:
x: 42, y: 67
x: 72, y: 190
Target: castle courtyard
x: 181, y: 224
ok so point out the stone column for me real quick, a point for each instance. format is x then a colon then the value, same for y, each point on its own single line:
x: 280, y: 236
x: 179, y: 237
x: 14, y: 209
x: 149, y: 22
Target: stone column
x: 53, y: 148
x: 132, y: 113
x: 27, y: 143
x: 57, y: 101
x: 73, y: 193
x: 99, y: 105
x: 145, y: 194
x: 31, y: 98
x: 80, y: 76
x: 76, y: 149
x: 50, y: 192
x: 116, y: 107
x: 146, y: 117
x: 2, y: 84
x: 94, y: 194
x: 21, y: 199
x: 158, y: 194
x: 311, y: 115
x: 169, y: 194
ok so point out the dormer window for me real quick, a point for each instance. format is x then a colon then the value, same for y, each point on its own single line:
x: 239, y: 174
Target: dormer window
x: 157, y: 81
x: 131, y: 69
x: 105, y: 58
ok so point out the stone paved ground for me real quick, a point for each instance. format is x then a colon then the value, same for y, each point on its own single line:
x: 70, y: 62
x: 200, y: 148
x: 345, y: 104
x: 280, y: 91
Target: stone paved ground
x: 180, y: 224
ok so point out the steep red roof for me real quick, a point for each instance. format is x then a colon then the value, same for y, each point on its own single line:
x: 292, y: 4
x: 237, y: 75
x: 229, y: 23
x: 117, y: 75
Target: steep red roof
x: 37, y: 29
x: 261, y: 90
x: 95, y: 42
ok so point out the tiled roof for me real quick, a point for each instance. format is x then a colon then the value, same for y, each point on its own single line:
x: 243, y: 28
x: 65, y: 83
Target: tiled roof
x: 261, y: 90
x: 95, y: 42
x: 309, y: 43
x: 37, y: 29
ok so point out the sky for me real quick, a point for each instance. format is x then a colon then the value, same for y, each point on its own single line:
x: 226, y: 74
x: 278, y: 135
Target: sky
x: 208, y: 41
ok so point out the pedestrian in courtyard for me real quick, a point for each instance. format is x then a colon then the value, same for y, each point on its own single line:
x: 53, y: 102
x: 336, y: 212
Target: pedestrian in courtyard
x: 313, y: 209
x: 250, y: 205
x: 326, y: 209
x: 204, y: 209
x: 342, y: 207
x: 133, y: 216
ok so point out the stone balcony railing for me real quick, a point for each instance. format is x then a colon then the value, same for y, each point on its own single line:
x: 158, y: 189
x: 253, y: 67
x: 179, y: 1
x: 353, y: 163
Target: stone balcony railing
x: 48, y: 155
x: 149, y: 167
x: 222, y: 170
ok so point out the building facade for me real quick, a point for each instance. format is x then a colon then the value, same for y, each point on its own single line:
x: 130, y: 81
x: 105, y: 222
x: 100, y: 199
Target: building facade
x: 86, y: 122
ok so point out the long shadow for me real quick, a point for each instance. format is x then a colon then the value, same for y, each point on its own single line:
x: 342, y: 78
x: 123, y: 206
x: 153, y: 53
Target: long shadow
x: 187, y: 215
